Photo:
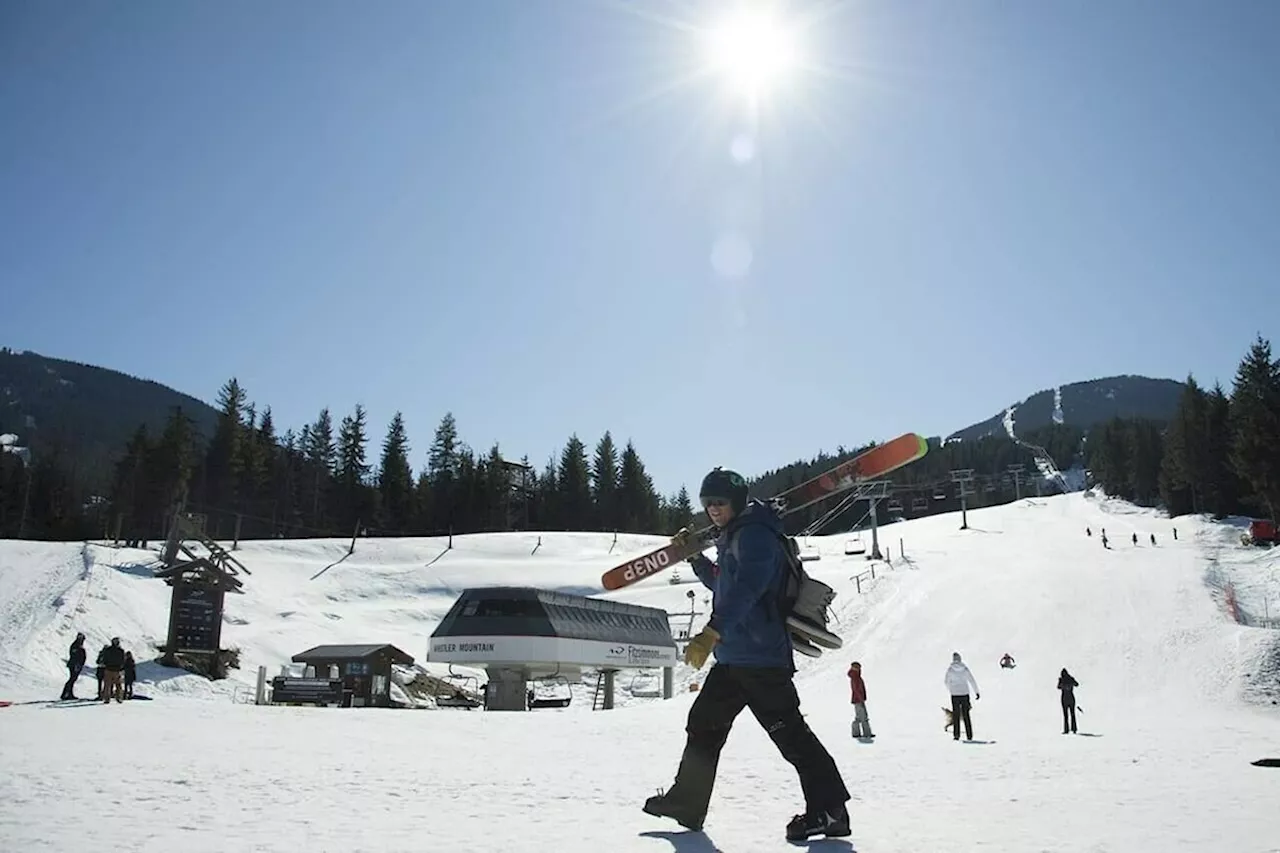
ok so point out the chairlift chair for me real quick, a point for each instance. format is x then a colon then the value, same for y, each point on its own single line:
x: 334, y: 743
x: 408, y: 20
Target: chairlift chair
x: 939, y: 495
x: 551, y: 692
x: 645, y: 685
x: 919, y: 504
x: 895, y: 505
x: 855, y: 546
x: 464, y: 688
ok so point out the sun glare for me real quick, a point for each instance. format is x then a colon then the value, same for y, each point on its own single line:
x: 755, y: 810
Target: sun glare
x: 753, y: 51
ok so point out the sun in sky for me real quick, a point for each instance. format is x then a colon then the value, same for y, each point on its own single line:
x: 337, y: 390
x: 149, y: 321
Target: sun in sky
x: 753, y: 49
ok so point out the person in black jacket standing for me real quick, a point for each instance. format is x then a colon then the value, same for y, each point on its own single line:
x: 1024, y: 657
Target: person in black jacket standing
x: 113, y: 663
x: 75, y: 663
x: 1067, y: 686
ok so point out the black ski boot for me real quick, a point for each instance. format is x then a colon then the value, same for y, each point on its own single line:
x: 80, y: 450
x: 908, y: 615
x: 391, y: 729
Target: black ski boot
x: 833, y: 823
x: 663, y: 805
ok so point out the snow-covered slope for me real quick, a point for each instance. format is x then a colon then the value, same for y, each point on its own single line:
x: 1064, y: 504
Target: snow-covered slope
x: 1168, y: 698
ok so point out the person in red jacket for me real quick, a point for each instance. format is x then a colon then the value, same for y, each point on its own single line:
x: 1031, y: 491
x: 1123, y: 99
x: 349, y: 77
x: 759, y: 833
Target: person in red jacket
x: 858, y: 696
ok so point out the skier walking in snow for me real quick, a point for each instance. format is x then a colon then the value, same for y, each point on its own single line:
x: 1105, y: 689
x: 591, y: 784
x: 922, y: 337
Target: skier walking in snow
x: 958, y: 680
x: 754, y: 667
x: 1067, y: 685
x: 858, y: 696
x: 76, y: 656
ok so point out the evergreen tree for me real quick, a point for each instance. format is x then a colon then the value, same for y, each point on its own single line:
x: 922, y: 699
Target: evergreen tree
x: 1223, y: 488
x: 1184, y: 470
x: 395, y: 478
x: 1255, y: 423
x: 1145, y: 452
x: 574, y: 486
x: 129, y: 490
x: 637, y: 500
x: 497, y: 490
x: 442, y: 470
x: 547, y: 511
x: 353, y: 470
x: 321, y: 456
x: 604, y: 483
x: 681, y: 510
x: 225, y: 460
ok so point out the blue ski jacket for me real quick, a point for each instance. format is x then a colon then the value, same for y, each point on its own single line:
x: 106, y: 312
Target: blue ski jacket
x: 745, y: 583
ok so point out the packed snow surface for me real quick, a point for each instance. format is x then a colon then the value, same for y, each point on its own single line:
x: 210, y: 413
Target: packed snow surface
x: 1171, y: 711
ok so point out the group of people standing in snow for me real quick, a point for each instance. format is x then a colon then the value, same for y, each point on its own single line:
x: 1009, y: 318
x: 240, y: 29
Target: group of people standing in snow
x: 116, y: 670
x: 959, y: 681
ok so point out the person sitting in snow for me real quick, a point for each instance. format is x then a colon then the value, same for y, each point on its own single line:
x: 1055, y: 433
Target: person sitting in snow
x: 1006, y: 662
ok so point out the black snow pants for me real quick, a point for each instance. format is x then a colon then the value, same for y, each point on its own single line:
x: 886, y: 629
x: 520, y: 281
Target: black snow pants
x: 1068, y: 707
x: 960, y: 711
x: 68, y: 689
x: 771, y: 696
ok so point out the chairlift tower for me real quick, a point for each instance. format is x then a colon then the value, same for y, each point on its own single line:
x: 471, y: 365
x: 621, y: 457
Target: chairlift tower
x: 875, y: 491
x: 1016, y: 471
x: 963, y: 478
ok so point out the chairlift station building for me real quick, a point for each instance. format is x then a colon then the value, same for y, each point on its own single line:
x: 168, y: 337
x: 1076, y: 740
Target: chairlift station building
x: 519, y: 634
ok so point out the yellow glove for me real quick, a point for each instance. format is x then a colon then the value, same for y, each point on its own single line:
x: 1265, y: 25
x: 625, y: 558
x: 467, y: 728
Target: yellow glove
x: 695, y: 654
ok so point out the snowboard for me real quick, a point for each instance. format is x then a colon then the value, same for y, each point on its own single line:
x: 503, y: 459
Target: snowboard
x: 804, y: 647
x: 868, y: 465
x: 812, y: 633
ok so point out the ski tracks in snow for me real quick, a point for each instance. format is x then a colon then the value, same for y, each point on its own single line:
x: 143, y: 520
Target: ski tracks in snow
x: 40, y: 578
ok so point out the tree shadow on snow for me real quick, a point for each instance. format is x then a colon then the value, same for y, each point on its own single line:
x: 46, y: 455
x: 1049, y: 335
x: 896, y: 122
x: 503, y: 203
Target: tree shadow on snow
x: 139, y: 570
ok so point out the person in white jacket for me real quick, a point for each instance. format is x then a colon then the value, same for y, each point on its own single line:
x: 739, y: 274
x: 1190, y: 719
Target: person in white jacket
x: 958, y: 680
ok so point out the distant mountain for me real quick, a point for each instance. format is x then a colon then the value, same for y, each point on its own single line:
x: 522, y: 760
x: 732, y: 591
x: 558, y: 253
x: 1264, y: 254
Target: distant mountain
x: 88, y: 412
x: 1082, y: 405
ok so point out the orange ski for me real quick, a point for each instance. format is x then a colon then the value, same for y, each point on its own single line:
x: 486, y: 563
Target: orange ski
x: 868, y: 465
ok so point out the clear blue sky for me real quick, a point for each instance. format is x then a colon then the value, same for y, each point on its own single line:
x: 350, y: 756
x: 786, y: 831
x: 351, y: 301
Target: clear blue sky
x: 508, y: 210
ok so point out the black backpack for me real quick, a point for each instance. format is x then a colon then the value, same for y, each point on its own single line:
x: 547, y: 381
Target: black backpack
x: 799, y: 595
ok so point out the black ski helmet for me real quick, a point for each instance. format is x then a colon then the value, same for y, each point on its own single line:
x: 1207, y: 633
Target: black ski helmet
x: 728, y: 485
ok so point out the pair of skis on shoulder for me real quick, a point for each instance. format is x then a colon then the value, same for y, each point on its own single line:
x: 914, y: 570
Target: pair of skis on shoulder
x: 868, y: 465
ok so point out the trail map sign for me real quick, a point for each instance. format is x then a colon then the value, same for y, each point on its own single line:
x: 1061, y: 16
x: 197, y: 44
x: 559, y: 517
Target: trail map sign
x: 195, y: 618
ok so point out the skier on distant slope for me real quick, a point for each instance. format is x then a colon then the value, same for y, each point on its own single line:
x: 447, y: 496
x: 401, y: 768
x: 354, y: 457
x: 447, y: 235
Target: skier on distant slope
x: 754, y: 668
x: 958, y: 680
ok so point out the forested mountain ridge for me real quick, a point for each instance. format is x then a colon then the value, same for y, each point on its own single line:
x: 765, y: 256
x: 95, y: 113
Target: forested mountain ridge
x: 1084, y: 405
x: 85, y: 412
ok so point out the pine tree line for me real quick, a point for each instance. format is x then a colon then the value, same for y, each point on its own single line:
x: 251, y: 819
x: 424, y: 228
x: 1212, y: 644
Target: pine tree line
x: 1219, y: 454
x: 325, y: 481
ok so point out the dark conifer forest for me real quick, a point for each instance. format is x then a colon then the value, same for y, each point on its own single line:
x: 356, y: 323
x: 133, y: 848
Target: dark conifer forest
x: 341, y: 475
